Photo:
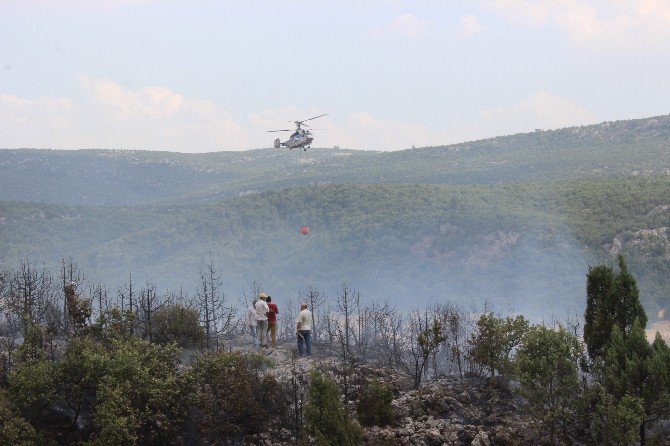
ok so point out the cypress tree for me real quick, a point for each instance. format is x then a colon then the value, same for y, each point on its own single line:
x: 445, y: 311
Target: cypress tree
x: 634, y: 368
x: 611, y: 299
x: 627, y: 300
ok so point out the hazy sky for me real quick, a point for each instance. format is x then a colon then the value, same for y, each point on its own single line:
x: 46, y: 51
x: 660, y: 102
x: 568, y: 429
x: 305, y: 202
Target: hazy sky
x: 199, y: 75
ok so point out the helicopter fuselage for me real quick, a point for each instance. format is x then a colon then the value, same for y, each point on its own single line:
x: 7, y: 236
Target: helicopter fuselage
x: 298, y: 140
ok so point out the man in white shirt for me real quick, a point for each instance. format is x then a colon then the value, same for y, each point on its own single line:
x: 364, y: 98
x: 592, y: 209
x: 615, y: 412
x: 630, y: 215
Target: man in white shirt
x: 303, y: 330
x: 262, y: 319
x: 251, y: 322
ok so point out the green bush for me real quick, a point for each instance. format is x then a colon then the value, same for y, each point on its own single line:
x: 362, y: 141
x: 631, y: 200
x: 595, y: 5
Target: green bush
x: 179, y: 324
x: 14, y: 430
x: 141, y: 399
x: 32, y: 388
x: 328, y: 422
x: 374, y: 404
x: 231, y: 399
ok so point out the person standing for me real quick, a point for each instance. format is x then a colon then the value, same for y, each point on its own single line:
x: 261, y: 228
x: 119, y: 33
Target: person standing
x: 303, y: 330
x: 262, y: 319
x: 272, y: 321
x: 251, y: 322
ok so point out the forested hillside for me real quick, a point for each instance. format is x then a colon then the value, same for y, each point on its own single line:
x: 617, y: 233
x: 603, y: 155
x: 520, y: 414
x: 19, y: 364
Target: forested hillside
x: 107, y: 177
x: 514, y: 219
x: 521, y: 246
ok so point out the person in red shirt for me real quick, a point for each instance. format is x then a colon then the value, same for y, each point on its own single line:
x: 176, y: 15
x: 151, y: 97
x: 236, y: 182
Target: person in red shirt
x: 272, y: 320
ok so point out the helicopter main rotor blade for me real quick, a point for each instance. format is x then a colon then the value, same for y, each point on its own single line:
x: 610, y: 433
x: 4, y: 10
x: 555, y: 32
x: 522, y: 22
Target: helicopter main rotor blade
x: 283, y: 130
x: 309, y: 119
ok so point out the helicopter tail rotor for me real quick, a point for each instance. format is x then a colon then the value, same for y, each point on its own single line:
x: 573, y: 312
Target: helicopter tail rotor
x: 277, y: 143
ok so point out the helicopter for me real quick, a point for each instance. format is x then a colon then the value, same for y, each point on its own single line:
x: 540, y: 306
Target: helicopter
x: 300, y: 138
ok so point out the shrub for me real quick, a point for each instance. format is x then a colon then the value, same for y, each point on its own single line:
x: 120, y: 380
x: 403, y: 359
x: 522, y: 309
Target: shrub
x: 374, y: 404
x: 141, y: 398
x: 178, y: 324
x: 14, y: 430
x: 328, y: 422
x: 231, y: 399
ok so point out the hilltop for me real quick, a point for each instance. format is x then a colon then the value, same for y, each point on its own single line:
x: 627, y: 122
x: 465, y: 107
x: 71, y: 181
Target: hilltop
x: 113, y: 177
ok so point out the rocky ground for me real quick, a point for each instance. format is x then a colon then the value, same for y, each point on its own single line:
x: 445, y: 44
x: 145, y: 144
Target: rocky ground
x: 449, y: 411
x: 443, y: 412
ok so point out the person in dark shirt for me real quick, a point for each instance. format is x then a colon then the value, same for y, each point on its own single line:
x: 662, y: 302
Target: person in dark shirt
x: 272, y: 320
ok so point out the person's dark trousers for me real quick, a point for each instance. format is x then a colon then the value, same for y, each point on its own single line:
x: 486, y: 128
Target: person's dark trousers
x: 304, y: 342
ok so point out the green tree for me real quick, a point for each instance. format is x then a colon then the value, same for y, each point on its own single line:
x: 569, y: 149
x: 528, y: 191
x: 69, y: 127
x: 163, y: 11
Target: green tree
x: 429, y: 341
x: 32, y: 389
x: 113, y: 325
x: 117, y: 419
x: 14, y: 430
x: 608, y: 419
x: 611, y: 299
x: 374, y: 403
x: 79, y: 374
x: 33, y: 347
x: 494, y: 340
x: 179, y: 324
x: 632, y: 367
x: 546, y: 364
x: 79, y: 310
x: 423, y: 341
x: 328, y: 422
x: 657, y: 388
x: 142, y: 398
x: 231, y: 398
x: 625, y: 364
